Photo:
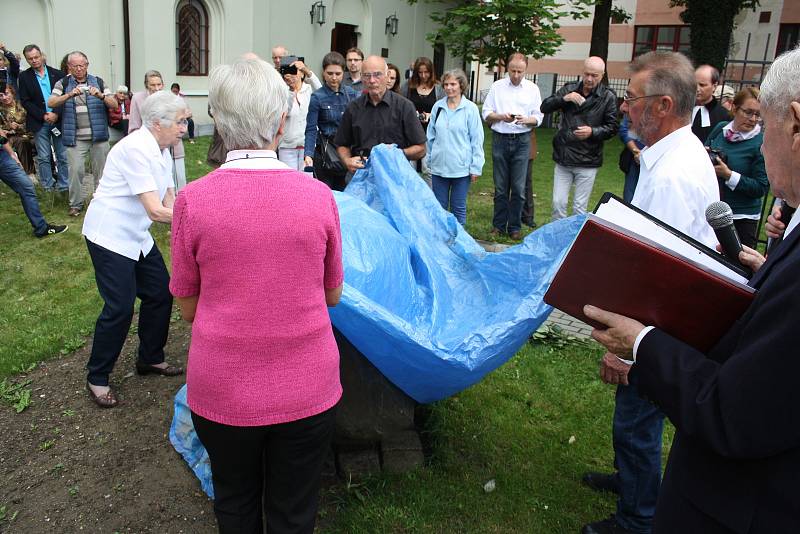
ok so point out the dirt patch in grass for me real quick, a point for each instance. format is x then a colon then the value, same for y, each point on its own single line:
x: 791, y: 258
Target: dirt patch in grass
x: 68, y: 466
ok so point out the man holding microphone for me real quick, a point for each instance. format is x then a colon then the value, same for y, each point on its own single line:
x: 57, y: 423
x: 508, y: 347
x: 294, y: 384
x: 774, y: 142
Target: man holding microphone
x: 735, y: 459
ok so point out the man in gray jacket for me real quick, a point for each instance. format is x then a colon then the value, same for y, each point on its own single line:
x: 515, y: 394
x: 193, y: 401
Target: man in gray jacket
x: 588, y: 117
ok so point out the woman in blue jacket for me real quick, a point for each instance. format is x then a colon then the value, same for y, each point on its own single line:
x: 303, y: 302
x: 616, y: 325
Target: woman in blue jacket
x: 455, y: 145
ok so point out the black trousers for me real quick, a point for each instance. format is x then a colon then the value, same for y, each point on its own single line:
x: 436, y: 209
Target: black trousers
x: 280, y: 464
x: 120, y: 280
x: 746, y: 228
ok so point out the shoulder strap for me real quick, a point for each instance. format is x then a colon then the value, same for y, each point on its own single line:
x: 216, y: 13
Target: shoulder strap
x: 435, y: 117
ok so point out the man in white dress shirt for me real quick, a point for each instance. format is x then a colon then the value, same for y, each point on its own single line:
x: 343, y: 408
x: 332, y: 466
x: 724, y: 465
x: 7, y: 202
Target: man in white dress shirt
x: 676, y: 184
x: 512, y: 110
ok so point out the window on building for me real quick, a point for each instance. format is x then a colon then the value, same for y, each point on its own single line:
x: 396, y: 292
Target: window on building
x: 648, y: 38
x: 191, y: 19
x: 788, y: 38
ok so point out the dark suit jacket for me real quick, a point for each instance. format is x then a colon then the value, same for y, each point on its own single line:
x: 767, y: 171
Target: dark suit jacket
x: 31, y: 97
x: 716, y: 113
x: 735, y: 462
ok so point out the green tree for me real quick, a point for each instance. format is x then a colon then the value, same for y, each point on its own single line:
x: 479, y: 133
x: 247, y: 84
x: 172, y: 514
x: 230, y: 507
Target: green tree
x: 712, y: 27
x: 488, y: 31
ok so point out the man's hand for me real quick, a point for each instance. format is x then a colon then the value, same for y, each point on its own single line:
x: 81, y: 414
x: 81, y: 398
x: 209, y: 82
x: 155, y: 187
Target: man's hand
x: 308, y: 161
x: 94, y: 91
x: 621, y: 333
x: 355, y: 163
x: 575, y: 97
x: 530, y: 120
x: 748, y: 257
x: 613, y: 370
x: 583, y: 132
x: 50, y: 117
x: 774, y: 227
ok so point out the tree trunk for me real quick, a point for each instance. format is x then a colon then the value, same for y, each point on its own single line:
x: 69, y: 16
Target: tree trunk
x: 600, y: 28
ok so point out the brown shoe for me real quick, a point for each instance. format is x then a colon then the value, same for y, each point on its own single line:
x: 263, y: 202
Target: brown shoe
x: 169, y: 370
x: 74, y: 212
x: 109, y: 400
x: 496, y: 232
x: 516, y: 235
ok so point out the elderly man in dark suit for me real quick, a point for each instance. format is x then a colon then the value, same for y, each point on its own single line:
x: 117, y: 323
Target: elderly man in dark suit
x: 735, y: 461
x: 35, y: 86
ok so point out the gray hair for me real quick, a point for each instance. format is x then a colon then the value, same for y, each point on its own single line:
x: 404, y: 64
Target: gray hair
x: 459, y: 76
x: 76, y: 53
x: 672, y: 74
x: 247, y: 99
x: 122, y: 89
x: 781, y: 85
x: 152, y: 74
x: 161, y: 108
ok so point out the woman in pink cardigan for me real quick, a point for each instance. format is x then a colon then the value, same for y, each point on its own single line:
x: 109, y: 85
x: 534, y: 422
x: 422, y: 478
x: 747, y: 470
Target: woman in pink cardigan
x: 256, y: 260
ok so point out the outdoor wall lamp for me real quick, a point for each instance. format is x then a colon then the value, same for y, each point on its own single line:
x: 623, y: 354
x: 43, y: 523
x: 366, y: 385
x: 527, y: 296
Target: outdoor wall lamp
x: 391, y: 24
x: 317, y: 13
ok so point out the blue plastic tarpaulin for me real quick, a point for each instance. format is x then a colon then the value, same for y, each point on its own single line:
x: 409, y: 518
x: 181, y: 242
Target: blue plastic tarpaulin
x: 422, y: 300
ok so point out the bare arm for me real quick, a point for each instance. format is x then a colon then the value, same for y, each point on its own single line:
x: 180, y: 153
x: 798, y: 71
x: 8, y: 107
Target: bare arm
x: 156, y: 210
x: 332, y: 296
x: 188, y: 306
x: 57, y: 101
x: 414, y: 152
x: 169, y: 198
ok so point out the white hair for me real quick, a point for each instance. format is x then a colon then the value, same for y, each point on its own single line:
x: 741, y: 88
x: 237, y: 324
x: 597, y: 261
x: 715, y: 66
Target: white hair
x: 781, y: 85
x: 122, y: 89
x: 247, y: 100
x: 161, y: 108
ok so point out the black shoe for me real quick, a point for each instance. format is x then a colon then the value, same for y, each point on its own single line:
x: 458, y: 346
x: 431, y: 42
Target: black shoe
x: 606, y: 526
x: 601, y: 481
x: 53, y: 229
x: 147, y: 369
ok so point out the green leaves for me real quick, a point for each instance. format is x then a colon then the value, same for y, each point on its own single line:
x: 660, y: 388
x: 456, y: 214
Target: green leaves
x: 489, y: 31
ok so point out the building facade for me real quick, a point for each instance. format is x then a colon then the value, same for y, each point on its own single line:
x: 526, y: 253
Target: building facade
x: 184, y: 39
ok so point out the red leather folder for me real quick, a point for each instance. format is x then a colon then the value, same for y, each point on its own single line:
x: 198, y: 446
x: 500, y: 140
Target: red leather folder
x: 618, y: 271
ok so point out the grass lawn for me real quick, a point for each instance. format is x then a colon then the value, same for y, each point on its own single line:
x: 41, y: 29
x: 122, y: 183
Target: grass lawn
x: 533, y: 426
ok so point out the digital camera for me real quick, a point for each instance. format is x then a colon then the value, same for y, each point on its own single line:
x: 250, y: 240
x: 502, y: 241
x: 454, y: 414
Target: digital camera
x: 286, y: 66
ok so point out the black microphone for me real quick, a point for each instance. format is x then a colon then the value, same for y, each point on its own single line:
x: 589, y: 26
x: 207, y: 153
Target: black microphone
x: 720, y: 217
x: 786, y: 215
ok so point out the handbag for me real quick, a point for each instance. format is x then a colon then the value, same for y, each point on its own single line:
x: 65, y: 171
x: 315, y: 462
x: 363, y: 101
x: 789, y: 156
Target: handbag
x: 326, y: 156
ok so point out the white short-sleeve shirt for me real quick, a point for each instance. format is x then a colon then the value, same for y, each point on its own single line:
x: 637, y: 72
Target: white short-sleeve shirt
x: 116, y: 219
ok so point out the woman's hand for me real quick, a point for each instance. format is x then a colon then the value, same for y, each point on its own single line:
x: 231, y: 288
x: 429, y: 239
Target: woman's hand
x: 308, y: 161
x: 473, y: 177
x: 722, y: 170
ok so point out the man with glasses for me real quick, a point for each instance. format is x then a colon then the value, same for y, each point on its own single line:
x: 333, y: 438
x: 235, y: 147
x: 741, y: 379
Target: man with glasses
x: 707, y: 112
x: 354, y: 59
x: 588, y: 117
x: 676, y: 184
x: 378, y: 116
x: 84, y: 123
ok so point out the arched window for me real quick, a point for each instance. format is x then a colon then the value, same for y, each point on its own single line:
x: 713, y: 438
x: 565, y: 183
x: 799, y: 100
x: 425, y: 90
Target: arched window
x: 191, y: 18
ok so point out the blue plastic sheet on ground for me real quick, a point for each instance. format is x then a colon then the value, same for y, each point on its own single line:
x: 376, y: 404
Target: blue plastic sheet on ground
x: 422, y: 300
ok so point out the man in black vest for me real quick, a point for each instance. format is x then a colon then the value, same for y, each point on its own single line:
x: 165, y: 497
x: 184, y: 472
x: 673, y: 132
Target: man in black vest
x: 707, y: 110
x: 35, y: 86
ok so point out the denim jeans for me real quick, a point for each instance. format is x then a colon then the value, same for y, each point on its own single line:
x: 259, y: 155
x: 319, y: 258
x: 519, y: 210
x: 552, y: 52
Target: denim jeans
x: 563, y: 179
x: 637, y: 429
x: 631, y: 180
x: 13, y: 176
x: 510, y: 161
x: 44, y: 139
x: 452, y: 195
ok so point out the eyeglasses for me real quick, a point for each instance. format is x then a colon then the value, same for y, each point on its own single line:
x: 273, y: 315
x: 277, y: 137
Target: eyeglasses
x: 750, y: 113
x: 182, y: 122
x: 376, y: 75
x: 79, y: 66
x: 627, y: 98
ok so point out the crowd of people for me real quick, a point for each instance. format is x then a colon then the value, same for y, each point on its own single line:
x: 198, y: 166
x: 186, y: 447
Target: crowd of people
x: 263, y: 394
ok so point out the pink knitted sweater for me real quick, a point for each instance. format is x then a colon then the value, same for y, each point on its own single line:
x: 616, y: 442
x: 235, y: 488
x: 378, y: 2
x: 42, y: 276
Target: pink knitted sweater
x: 259, y: 247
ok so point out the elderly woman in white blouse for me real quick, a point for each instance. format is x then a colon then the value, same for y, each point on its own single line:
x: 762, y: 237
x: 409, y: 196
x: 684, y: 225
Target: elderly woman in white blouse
x: 136, y: 190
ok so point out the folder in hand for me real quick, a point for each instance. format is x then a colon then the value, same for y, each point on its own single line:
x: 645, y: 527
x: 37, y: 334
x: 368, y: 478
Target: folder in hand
x: 625, y: 261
